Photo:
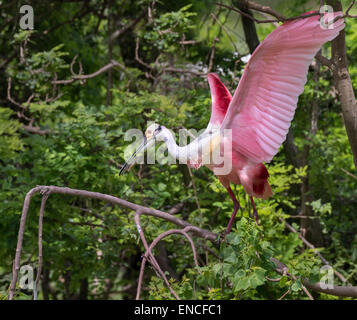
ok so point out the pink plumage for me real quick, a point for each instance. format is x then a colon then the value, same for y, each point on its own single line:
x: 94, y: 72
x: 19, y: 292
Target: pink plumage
x: 221, y: 98
x: 258, y: 115
x: 265, y: 100
x: 264, y: 103
x: 253, y: 177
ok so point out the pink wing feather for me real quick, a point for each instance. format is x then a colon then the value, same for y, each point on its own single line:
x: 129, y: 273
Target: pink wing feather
x: 265, y: 100
x: 221, y: 98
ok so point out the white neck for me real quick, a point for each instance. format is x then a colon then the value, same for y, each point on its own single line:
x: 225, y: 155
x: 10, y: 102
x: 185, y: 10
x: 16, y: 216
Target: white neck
x: 175, y: 151
x: 190, y: 152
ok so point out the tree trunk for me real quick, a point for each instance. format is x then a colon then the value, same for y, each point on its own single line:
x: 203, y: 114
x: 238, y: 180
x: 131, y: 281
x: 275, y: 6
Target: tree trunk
x: 344, y: 85
x: 83, y: 291
x: 312, y: 229
x: 46, y: 284
x: 250, y: 33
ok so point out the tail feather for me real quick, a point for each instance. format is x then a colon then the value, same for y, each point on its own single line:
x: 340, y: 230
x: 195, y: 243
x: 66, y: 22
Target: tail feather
x: 261, y: 186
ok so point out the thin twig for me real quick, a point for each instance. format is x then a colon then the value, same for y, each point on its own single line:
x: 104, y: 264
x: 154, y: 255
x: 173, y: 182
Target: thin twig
x: 127, y: 27
x: 283, y: 270
x: 323, y: 60
x: 349, y: 173
x: 283, y: 296
x: 213, y: 50
x: 149, y: 256
x: 347, y: 13
x: 226, y: 32
x: 278, y: 17
x: 137, y: 58
x: 265, y: 9
x: 81, y: 77
x: 45, y: 196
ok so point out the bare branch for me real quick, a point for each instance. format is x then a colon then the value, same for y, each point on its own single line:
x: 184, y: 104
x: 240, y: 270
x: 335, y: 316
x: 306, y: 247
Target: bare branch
x: 349, y: 173
x: 137, y: 58
x: 283, y: 296
x: 127, y: 27
x: 202, y: 233
x: 205, y: 234
x: 148, y: 253
x: 248, y: 15
x: 45, y: 196
x: 213, y: 49
x: 76, y: 77
x: 340, y: 291
x: 323, y: 60
x: 226, y: 32
x: 29, y: 127
x: 188, y: 42
x: 9, y: 95
x: 149, y: 256
x: 278, y: 17
x: 347, y: 13
x: 283, y: 270
x: 265, y: 9
x: 267, y: 16
x: 181, y: 70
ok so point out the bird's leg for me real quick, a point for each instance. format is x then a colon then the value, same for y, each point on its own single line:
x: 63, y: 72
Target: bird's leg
x: 235, y: 210
x: 255, y: 212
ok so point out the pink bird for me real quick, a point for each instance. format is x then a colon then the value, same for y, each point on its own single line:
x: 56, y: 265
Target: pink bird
x: 259, y: 114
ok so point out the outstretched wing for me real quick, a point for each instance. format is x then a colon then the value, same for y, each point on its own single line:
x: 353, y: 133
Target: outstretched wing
x: 221, y: 98
x: 265, y: 100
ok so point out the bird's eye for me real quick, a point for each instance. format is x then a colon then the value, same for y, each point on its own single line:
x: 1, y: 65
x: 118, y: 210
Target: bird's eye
x: 158, y: 128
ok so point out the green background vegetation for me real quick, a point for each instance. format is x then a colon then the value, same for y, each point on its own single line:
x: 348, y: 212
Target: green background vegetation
x: 85, y: 145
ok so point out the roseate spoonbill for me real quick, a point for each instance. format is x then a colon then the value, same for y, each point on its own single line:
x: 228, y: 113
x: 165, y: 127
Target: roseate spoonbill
x: 260, y: 111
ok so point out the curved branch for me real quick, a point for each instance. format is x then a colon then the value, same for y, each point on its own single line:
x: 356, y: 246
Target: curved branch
x: 278, y: 17
x: 76, y: 77
x: 149, y: 256
x: 205, y: 234
x: 45, y: 196
x: 199, y: 232
x: 264, y: 9
x: 127, y: 27
x: 340, y: 291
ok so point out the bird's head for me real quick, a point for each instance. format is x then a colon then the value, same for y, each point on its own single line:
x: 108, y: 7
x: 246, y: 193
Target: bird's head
x: 154, y: 132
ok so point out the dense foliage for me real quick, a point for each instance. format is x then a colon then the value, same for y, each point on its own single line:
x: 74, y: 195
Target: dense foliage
x: 72, y: 135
